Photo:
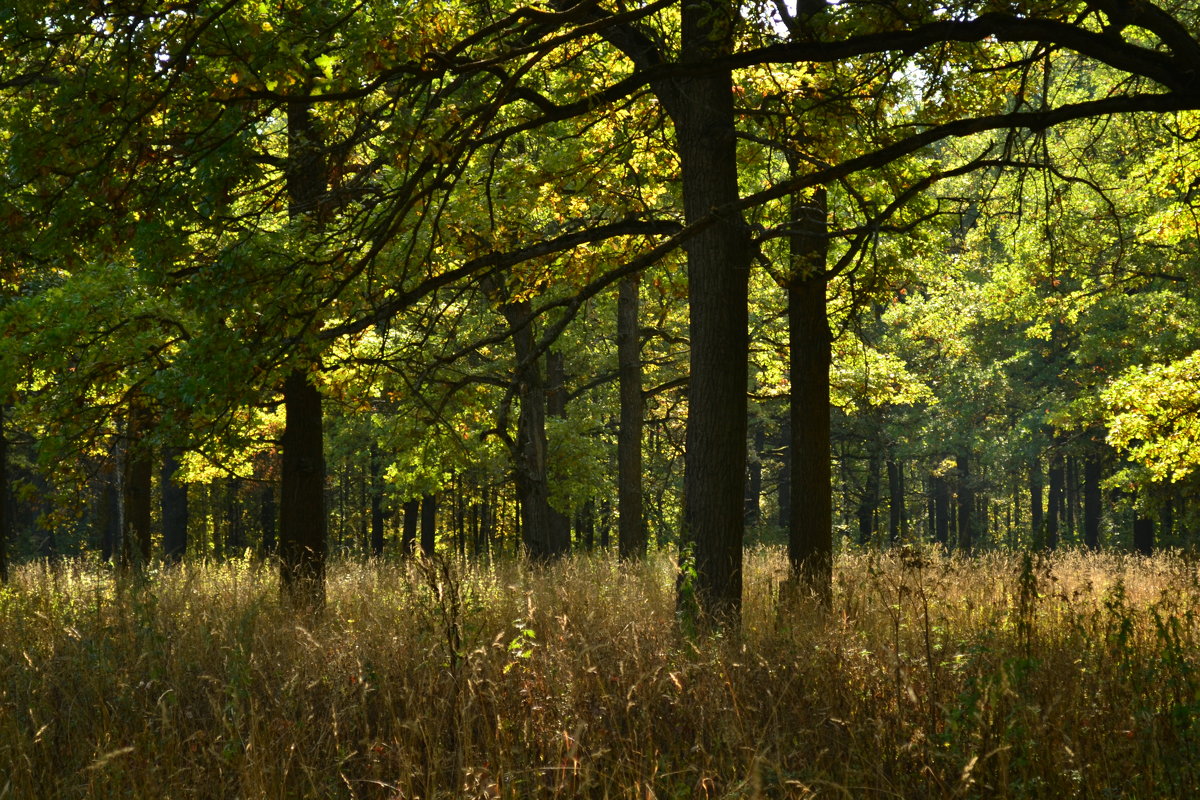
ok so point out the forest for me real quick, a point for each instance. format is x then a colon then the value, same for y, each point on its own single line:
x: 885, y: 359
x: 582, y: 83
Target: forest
x: 605, y: 398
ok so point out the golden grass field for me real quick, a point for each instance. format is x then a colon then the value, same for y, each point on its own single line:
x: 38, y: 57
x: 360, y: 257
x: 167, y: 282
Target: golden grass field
x: 1076, y: 675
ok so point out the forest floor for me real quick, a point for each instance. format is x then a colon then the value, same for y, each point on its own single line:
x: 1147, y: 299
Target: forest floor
x: 1074, y: 675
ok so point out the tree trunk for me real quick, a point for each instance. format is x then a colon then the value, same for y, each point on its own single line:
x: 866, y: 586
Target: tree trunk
x: 1054, y: 500
x: 895, y: 500
x: 268, y: 515
x: 869, y: 503
x: 966, y: 504
x: 941, y: 505
x: 1143, y: 535
x: 302, y: 520
x: 303, y: 524
x: 376, y: 489
x: 810, y: 535
x: 718, y: 258
x: 783, y: 480
x: 136, y: 492
x: 429, y: 506
x: 4, y: 517
x: 538, y: 534
x: 1091, y: 502
x: 174, y: 509
x: 408, y: 538
x: 631, y: 528
x: 1035, y: 498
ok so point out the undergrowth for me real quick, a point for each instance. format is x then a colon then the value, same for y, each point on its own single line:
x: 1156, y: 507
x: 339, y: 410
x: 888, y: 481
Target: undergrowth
x: 1075, y: 675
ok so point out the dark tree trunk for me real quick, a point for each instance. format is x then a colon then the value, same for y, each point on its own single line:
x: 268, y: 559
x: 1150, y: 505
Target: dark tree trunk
x: 606, y: 514
x: 1143, y: 535
x: 1054, y: 500
x: 895, y: 499
x: 783, y: 481
x: 408, y: 538
x: 4, y: 516
x: 1091, y: 502
x: 429, y: 506
x: 966, y: 504
x: 174, y: 508
x: 303, y: 523
x: 941, y: 502
x: 587, y: 525
x: 110, y: 514
x: 538, y: 534
x: 376, y: 489
x: 1070, y: 497
x: 1035, y: 498
x: 235, y: 518
x: 718, y: 257
x: 810, y: 536
x: 869, y: 503
x: 631, y: 528
x: 556, y: 406
x: 136, y: 491
x: 268, y: 516
x: 302, y: 519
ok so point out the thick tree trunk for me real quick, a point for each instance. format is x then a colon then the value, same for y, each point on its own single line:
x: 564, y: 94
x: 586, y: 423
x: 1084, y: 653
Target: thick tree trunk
x: 631, y: 528
x: 429, y: 524
x: 1036, y: 501
x: 895, y: 500
x: 718, y: 269
x: 4, y: 517
x: 1054, y: 500
x: 1143, y: 535
x: 810, y: 535
x: 408, y: 537
x: 966, y: 504
x: 302, y: 519
x: 303, y: 523
x: 539, y: 536
x: 1091, y: 502
x: 136, y: 492
x: 174, y: 509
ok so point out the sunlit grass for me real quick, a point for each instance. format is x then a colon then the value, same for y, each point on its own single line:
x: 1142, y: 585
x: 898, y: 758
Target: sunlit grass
x: 1073, y: 676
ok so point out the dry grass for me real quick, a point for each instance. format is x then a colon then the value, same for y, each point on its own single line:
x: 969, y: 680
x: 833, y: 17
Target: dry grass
x: 1077, y: 676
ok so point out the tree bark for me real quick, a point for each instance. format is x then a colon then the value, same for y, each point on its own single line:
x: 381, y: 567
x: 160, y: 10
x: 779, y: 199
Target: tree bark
x: 631, y: 527
x: 1143, y: 535
x: 136, y: 492
x: 302, y: 521
x: 268, y: 516
x: 408, y: 537
x: 966, y: 504
x: 718, y: 258
x: 174, y: 498
x: 783, y: 478
x: 895, y: 500
x: 1054, y: 500
x: 539, y: 537
x: 941, y: 503
x: 1037, y: 520
x: 1091, y: 502
x: 429, y: 524
x: 810, y: 535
